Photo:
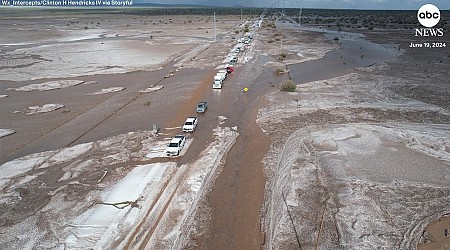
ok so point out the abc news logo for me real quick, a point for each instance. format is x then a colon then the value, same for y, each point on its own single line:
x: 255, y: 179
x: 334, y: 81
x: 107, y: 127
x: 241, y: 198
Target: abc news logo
x: 429, y: 15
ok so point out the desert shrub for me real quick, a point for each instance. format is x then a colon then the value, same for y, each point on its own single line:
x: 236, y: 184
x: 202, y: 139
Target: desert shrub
x: 282, y: 56
x: 288, y: 86
x: 236, y: 31
x: 279, y: 70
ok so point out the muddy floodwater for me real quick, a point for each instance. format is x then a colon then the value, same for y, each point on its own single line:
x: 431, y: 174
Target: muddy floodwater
x: 354, y: 52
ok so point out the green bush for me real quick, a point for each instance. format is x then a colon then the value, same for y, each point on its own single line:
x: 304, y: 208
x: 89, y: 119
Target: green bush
x: 288, y: 86
x: 279, y: 70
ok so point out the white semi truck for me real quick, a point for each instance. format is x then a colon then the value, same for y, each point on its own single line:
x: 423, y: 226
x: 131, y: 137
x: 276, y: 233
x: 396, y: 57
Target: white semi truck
x: 218, y: 80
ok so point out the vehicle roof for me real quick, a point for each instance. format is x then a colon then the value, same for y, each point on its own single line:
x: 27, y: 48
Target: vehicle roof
x: 202, y: 103
x: 191, y: 119
x: 175, y: 140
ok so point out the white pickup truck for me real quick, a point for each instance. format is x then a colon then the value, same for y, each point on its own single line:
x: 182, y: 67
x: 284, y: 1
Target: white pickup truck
x: 218, y: 80
x: 176, y: 145
x: 190, y: 124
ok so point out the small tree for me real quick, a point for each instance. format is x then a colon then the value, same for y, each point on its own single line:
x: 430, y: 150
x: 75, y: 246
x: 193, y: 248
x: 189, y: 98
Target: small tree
x: 288, y: 86
x: 279, y: 70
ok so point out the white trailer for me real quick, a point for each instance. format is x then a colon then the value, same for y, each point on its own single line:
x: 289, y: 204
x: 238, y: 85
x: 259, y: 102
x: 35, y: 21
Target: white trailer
x: 223, y: 71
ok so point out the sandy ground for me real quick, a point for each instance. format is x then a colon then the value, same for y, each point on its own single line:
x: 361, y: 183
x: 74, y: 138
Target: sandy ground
x: 358, y: 156
x: 79, y: 45
x: 123, y: 193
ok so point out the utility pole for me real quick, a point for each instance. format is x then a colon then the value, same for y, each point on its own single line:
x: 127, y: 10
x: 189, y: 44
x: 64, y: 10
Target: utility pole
x: 300, y: 14
x: 215, y: 34
x: 281, y: 46
x: 241, y: 16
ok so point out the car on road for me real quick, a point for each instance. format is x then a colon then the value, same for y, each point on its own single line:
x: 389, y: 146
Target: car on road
x: 190, y: 124
x: 233, y: 60
x: 175, y: 145
x: 201, y: 107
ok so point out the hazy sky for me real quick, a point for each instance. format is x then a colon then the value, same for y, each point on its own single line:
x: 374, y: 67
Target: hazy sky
x: 331, y: 4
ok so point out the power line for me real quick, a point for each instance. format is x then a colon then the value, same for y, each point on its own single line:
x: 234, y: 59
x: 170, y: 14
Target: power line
x: 292, y: 221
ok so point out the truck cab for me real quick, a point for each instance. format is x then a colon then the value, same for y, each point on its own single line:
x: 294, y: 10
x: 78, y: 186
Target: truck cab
x: 175, y: 145
x: 190, y: 124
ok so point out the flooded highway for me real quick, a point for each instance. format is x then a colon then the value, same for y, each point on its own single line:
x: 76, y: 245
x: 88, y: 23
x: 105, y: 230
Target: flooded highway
x: 225, y: 204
